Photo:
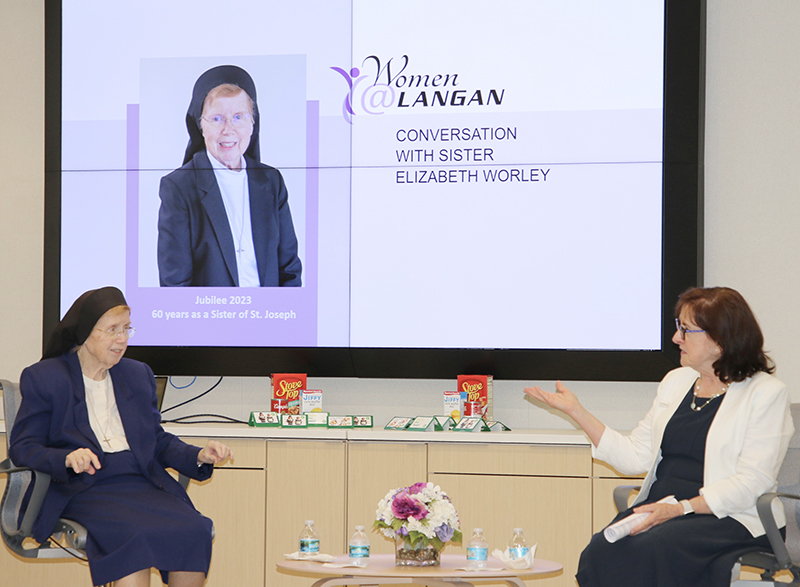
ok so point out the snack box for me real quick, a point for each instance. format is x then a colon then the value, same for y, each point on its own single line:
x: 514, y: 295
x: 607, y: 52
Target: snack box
x: 452, y: 405
x: 288, y: 386
x: 478, y: 388
x: 310, y: 401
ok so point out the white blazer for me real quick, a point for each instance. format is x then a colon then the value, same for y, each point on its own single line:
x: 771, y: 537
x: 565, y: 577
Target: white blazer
x: 745, y: 446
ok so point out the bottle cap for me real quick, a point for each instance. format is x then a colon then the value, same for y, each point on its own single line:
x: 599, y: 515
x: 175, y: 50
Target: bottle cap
x: 517, y: 530
x: 478, y: 530
x: 359, y: 528
x: 309, y: 522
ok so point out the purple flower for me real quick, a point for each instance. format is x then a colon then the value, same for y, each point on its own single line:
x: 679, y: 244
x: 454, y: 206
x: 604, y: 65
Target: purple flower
x: 417, y: 488
x: 404, y: 507
x: 403, y: 531
x: 445, y: 533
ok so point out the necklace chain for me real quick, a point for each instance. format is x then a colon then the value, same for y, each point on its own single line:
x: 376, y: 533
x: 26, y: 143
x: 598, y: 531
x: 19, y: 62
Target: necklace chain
x: 696, y: 388
x: 241, y: 227
x: 103, y: 431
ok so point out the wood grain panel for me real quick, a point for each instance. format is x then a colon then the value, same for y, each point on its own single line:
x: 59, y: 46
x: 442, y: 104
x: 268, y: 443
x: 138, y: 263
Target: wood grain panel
x: 510, y: 459
x: 554, y: 512
x: 373, y: 468
x: 305, y: 480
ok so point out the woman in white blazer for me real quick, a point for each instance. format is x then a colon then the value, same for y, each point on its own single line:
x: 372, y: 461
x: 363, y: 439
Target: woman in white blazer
x: 715, y: 438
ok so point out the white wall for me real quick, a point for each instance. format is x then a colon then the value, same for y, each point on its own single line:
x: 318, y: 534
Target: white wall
x: 751, y: 181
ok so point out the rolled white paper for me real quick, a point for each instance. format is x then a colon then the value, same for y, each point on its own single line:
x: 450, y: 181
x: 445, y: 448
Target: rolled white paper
x: 622, y: 528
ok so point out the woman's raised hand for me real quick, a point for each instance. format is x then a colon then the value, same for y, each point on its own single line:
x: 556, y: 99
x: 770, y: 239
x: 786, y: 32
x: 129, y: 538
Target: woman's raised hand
x: 562, y: 399
x: 565, y: 401
x: 83, y: 460
x: 214, y: 452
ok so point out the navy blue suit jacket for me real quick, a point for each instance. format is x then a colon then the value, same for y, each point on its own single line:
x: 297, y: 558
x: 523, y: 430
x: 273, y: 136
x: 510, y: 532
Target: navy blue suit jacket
x: 53, y: 421
x: 195, y: 244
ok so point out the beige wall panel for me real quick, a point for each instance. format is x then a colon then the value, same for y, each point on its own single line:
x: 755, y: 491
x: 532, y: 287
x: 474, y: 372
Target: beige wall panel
x: 372, y: 470
x: 510, y: 459
x: 305, y: 480
x: 554, y: 512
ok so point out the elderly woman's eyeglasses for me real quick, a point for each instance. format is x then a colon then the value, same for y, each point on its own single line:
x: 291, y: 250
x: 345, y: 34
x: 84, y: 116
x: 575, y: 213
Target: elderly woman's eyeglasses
x: 114, y: 332
x: 683, y: 330
x: 238, y: 120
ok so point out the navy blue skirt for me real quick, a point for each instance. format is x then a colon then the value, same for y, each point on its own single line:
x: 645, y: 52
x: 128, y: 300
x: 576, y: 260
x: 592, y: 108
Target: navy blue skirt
x: 134, y: 525
x: 698, y: 550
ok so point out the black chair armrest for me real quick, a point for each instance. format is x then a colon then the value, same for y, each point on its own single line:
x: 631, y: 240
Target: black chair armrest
x: 183, y: 480
x: 621, y: 495
x: 41, y: 481
x: 40, y: 484
x: 764, y: 509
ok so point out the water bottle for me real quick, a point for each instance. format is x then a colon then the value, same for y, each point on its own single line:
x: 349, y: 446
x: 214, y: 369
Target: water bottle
x: 518, y: 547
x: 359, y: 547
x: 309, y: 540
x: 477, y: 550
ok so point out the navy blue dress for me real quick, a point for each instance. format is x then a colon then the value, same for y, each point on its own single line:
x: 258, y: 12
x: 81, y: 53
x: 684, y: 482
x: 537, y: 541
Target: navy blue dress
x: 695, y: 550
x: 137, y: 515
x: 134, y: 525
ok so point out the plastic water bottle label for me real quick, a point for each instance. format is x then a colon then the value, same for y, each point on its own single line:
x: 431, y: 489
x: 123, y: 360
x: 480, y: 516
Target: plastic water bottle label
x: 309, y: 545
x: 519, y: 552
x: 477, y: 554
x: 359, y: 551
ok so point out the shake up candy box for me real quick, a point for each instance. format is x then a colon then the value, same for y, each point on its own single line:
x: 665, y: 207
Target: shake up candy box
x: 288, y: 386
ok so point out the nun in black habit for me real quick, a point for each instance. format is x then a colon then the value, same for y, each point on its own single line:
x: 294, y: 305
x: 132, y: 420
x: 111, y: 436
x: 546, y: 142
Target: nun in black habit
x: 224, y: 219
x: 88, y: 418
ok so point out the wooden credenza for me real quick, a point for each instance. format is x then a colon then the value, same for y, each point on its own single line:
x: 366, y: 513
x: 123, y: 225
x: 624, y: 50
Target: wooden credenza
x: 545, y: 482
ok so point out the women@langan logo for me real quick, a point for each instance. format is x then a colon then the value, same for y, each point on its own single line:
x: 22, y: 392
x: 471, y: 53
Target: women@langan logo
x: 378, y: 88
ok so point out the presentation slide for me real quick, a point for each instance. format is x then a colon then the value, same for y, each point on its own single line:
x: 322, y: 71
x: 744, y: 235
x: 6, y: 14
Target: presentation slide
x: 455, y: 174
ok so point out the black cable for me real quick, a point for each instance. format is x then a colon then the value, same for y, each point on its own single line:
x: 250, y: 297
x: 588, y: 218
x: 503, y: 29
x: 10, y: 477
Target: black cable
x: 192, y: 399
x: 55, y: 542
x: 222, y: 419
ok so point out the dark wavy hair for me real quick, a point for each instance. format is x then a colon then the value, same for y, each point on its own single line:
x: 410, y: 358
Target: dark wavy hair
x: 725, y: 316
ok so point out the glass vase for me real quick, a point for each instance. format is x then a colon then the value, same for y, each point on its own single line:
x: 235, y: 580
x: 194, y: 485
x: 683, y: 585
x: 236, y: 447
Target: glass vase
x: 415, y: 555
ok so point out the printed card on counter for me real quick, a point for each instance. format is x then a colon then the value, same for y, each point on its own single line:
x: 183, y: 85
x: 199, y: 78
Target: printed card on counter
x: 470, y: 424
x: 340, y: 421
x: 294, y: 421
x: 398, y: 423
x: 319, y: 419
x: 421, y: 424
x: 264, y: 419
x: 496, y: 426
x: 362, y: 421
x: 442, y: 423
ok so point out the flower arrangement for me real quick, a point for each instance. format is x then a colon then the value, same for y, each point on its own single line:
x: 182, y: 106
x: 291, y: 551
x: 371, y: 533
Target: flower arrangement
x: 420, y: 515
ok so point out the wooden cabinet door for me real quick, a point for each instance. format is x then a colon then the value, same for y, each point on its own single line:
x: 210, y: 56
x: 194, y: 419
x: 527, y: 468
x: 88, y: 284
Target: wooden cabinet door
x: 374, y: 468
x: 305, y: 481
x: 554, y: 512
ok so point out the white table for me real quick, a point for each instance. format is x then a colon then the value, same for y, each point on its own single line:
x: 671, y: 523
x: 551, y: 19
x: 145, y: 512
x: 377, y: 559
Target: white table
x: 382, y: 571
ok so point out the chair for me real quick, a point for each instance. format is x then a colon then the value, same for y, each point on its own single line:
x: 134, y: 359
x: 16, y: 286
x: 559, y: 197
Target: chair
x: 19, y: 480
x: 785, y: 553
x: 18, y: 535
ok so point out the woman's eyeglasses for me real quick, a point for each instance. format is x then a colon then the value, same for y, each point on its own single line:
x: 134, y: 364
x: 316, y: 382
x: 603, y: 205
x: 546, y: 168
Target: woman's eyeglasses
x: 238, y: 120
x: 683, y: 330
x: 114, y: 332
